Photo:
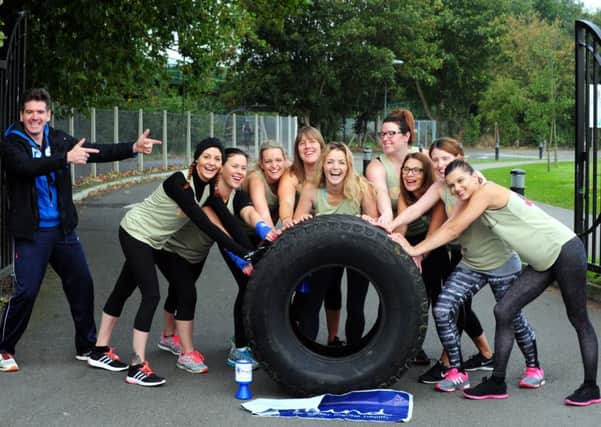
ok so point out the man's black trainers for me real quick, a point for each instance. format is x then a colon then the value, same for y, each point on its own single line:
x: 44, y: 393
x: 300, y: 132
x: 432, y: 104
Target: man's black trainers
x: 489, y: 388
x: 478, y: 363
x: 433, y: 375
x: 106, y: 360
x: 142, y: 375
x: 584, y: 396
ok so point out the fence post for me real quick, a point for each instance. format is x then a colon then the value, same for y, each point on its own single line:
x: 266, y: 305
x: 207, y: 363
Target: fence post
x: 289, y: 129
x: 140, y: 130
x: 212, y: 125
x: 71, y: 132
x: 189, y: 138
x: 164, y: 145
x: 277, y: 128
x: 256, y: 136
x: 116, y: 134
x: 233, y: 130
x: 93, y: 139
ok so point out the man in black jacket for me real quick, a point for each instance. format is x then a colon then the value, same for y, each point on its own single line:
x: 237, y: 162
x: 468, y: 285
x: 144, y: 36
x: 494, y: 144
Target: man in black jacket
x: 42, y: 219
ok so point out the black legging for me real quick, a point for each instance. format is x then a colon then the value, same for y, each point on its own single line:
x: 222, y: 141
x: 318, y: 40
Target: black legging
x: 137, y: 271
x: 182, y: 276
x: 320, y: 284
x: 569, y: 270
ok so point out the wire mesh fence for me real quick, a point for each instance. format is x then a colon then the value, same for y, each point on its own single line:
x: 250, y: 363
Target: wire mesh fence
x: 179, y: 132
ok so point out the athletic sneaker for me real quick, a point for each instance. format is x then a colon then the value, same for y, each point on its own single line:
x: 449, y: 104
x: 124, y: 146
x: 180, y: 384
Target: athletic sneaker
x: 433, y: 375
x: 192, y: 362
x: 489, y: 388
x: 421, y: 359
x: 83, y: 355
x: 239, y: 354
x: 584, y: 396
x: 478, y: 363
x: 533, y: 378
x: 454, y: 379
x: 8, y: 363
x: 142, y: 375
x: 107, y: 360
x: 170, y: 343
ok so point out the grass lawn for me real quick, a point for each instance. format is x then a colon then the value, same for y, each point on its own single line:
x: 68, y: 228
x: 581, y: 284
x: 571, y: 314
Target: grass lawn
x: 554, y: 188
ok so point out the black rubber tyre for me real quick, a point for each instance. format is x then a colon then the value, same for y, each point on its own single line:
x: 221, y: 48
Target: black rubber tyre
x: 393, y: 340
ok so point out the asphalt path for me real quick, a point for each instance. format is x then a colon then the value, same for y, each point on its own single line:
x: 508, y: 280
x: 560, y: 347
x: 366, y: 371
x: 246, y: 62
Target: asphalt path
x: 53, y: 389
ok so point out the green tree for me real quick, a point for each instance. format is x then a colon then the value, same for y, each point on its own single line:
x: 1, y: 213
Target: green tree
x: 333, y: 59
x: 533, y: 88
x: 470, y: 36
x: 100, y: 53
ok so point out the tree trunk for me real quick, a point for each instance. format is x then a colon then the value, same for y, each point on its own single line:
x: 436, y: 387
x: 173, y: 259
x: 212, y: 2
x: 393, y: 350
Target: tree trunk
x: 422, y: 97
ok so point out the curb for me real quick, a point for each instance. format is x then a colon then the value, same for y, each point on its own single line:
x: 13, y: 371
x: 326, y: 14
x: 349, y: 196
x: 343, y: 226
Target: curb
x: 113, y: 185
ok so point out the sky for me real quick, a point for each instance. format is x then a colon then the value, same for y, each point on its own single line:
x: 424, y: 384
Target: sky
x: 592, y: 5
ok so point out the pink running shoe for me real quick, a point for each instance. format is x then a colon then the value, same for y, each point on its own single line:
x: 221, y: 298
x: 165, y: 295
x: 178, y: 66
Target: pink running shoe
x: 533, y: 378
x: 171, y: 344
x: 454, y: 379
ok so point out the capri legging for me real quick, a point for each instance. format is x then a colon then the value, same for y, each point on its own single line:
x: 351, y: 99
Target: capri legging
x: 182, y: 276
x: 463, y: 284
x: 137, y: 271
x: 569, y: 270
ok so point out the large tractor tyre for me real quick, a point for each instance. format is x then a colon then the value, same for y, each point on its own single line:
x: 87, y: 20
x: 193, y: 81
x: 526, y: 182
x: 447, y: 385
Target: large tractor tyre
x: 304, y: 367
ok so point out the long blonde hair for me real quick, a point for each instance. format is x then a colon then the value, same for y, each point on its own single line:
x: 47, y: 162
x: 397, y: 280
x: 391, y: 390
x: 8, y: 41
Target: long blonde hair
x: 298, y: 168
x: 354, y: 186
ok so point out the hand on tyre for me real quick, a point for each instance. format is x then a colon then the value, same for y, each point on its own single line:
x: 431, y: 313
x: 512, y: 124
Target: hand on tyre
x: 371, y: 220
x: 273, y: 234
x: 400, y: 239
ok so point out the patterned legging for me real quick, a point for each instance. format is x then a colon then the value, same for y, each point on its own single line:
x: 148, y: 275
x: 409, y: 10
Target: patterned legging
x: 462, y: 285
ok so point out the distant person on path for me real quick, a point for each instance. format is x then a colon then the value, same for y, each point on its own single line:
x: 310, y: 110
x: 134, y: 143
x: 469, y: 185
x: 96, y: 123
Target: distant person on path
x: 42, y: 219
x: 247, y: 131
x: 553, y: 254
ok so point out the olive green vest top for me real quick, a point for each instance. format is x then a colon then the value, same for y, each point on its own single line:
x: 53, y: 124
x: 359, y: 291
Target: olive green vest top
x: 480, y: 248
x: 536, y: 236
x: 158, y: 217
x: 345, y: 207
x: 393, y: 182
x: 191, y: 243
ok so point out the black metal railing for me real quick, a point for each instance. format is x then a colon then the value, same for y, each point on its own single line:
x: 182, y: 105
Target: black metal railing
x: 588, y: 124
x: 12, y: 85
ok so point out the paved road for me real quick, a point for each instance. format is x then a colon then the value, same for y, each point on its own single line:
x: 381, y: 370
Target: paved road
x: 55, y: 390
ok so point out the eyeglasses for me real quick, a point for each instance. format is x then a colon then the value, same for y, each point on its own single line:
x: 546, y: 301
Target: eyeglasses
x: 414, y: 171
x: 390, y: 133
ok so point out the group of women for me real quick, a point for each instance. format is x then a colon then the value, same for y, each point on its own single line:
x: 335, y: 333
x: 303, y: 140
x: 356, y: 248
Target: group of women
x: 461, y: 230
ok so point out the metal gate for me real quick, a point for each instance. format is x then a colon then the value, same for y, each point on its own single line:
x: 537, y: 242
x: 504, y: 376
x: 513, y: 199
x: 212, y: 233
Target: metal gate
x: 12, y: 85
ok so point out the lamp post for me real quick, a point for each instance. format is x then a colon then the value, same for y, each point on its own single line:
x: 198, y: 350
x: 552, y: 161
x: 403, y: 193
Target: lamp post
x: 394, y: 62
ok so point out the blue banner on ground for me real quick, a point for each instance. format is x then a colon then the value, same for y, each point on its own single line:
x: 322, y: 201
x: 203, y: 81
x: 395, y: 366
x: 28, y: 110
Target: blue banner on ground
x: 364, y: 405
